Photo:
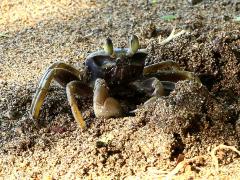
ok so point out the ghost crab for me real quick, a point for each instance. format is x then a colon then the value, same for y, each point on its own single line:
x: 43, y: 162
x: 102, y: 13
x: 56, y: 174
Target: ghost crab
x: 108, y: 69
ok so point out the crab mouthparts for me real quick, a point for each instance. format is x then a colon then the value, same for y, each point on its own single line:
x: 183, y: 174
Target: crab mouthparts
x: 126, y: 74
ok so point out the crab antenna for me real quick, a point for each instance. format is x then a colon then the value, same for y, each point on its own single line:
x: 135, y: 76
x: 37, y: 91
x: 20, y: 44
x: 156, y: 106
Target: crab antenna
x: 108, y: 46
x: 134, y: 45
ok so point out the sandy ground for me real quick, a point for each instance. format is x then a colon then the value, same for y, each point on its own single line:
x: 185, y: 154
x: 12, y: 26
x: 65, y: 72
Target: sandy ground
x: 188, y: 124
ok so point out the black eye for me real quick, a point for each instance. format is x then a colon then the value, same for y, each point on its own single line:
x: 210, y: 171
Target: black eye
x: 118, y: 60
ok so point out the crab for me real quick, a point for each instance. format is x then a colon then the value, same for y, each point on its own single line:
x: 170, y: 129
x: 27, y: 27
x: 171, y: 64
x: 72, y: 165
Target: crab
x: 104, y: 74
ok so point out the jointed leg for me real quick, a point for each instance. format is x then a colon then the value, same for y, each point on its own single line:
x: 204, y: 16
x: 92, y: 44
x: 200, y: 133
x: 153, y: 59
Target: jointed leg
x: 73, y: 88
x: 44, y: 84
x: 161, y: 66
x: 158, y: 90
x: 175, y: 76
x: 60, y: 65
x: 151, y: 86
x: 72, y: 74
x: 104, y: 106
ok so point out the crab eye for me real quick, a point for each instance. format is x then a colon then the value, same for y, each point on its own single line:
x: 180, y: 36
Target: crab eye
x: 134, y: 45
x: 108, y: 46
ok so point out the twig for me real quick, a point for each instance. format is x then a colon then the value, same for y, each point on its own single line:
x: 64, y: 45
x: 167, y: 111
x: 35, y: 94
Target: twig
x: 172, y: 36
x: 221, y: 146
x: 184, y: 163
x: 180, y: 166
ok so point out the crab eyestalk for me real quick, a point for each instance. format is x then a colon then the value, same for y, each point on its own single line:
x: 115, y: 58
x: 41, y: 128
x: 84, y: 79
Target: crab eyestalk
x: 108, y: 47
x: 134, y: 45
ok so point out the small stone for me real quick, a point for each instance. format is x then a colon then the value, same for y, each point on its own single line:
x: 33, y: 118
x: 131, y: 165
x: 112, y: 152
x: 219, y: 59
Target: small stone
x: 2, y: 81
x: 194, y: 2
x: 225, y: 3
x: 237, y: 6
x: 18, y: 130
x: 12, y: 114
x: 226, y: 18
x: 149, y: 30
x: 100, y: 144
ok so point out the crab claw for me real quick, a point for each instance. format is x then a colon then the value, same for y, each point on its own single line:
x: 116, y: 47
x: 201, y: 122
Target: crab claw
x: 134, y: 45
x: 103, y: 104
x: 108, y: 46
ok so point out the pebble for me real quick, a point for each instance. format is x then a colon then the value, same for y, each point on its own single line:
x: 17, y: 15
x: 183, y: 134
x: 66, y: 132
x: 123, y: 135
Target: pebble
x: 194, y: 2
x: 3, y: 81
x: 237, y: 6
x: 12, y: 114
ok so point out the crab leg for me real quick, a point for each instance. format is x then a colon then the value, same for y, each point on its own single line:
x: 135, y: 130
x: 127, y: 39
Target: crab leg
x: 44, y: 84
x: 104, y: 106
x: 158, y: 90
x: 153, y: 88
x: 72, y: 88
x: 62, y: 65
x: 73, y: 72
x: 162, y: 65
x: 175, y: 76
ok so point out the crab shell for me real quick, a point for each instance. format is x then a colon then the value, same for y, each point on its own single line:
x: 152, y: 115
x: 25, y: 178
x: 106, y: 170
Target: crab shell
x: 120, y: 68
